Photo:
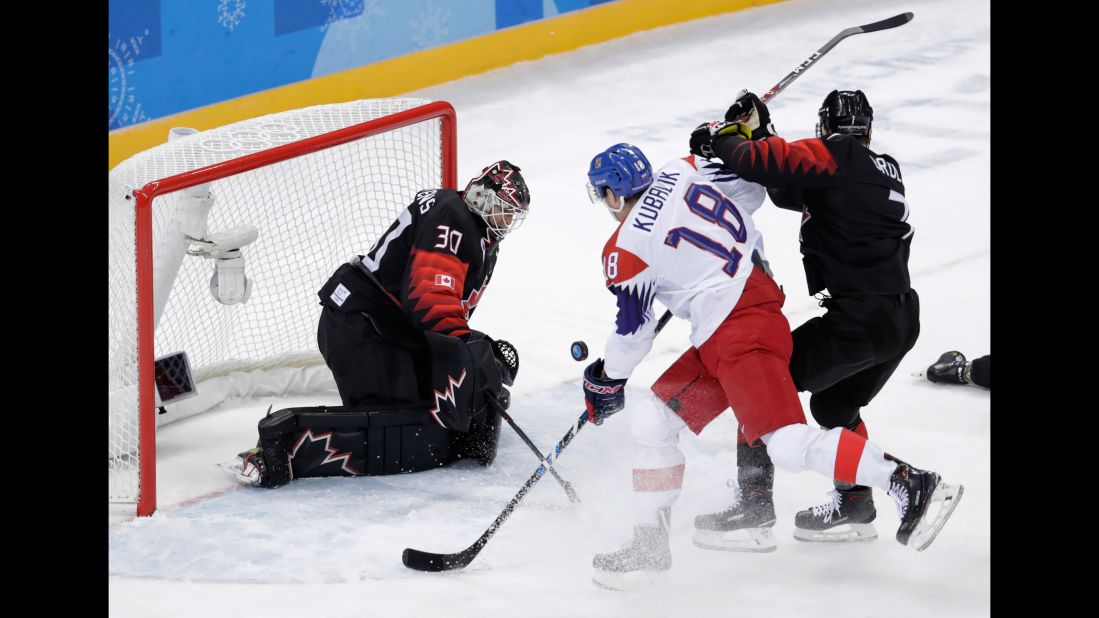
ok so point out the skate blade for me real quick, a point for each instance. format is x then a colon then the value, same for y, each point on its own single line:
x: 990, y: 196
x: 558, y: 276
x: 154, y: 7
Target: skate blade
x: 759, y: 540
x: 626, y: 582
x: 854, y: 533
x: 943, y: 501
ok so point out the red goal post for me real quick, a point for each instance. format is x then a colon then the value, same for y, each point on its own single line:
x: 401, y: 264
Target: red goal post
x: 303, y: 196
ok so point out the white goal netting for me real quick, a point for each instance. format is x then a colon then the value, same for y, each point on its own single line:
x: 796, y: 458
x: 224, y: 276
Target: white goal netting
x: 312, y: 213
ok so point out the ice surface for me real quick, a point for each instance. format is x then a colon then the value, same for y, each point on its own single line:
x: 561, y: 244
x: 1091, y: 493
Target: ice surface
x: 332, y: 547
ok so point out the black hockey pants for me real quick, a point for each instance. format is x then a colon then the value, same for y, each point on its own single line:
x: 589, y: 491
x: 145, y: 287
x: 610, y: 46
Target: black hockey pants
x: 368, y: 367
x: 845, y: 356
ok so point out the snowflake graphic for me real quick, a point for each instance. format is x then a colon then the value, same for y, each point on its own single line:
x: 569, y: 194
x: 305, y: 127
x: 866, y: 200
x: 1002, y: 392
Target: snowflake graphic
x: 123, y: 108
x: 348, y: 22
x: 429, y: 28
x: 230, y: 17
x: 339, y: 10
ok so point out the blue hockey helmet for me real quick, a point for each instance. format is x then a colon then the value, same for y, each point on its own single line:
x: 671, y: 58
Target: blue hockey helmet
x: 623, y: 169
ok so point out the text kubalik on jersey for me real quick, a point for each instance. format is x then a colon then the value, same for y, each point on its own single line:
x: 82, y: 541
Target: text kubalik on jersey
x: 687, y: 242
x: 436, y: 260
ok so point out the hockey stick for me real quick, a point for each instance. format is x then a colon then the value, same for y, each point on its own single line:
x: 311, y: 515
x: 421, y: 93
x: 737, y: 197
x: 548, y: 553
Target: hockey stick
x: 885, y: 24
x: 427, y: 561
x: 567, y: 486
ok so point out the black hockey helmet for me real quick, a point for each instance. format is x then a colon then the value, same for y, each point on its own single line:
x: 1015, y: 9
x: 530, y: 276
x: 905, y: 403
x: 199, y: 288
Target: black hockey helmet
x: 845, y: 111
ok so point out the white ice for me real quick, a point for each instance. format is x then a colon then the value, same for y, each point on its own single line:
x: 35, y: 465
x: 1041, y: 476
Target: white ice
x: 332, y: 547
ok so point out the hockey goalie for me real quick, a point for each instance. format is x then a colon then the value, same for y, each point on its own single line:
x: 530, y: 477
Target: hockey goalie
x: 419, y: 387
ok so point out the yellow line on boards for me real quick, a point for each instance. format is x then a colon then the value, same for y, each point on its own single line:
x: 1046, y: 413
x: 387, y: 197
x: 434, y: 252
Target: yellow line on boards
x: 425, y: 68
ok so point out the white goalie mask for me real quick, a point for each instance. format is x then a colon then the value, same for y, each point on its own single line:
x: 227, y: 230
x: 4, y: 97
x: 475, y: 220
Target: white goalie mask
x: 500, y: 196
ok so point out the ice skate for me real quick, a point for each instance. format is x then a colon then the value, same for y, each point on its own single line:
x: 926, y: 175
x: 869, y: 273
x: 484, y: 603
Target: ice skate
x: 846, y: 518
x: 951, y: 368
x: 924, y: 503
x: 744, y: 526
x: 247, y: 468
x: 639, y: 563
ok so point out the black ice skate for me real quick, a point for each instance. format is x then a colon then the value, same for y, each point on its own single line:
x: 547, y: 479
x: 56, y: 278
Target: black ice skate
x: 744, y: 526
x: 635, y: 565
x: 924, y: 503
x: 844, y: 519
x: 951, y: 368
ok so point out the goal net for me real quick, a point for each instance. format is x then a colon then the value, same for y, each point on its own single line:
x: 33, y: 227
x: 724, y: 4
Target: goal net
x: 300, y: 191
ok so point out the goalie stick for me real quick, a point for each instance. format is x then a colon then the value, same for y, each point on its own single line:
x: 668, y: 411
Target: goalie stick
x: 567, y: 486
x: 885, y: 24
x: 427, y: 561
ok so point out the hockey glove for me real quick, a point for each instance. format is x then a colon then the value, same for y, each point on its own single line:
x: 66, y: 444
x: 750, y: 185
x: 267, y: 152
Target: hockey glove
x: 750, y: 110
x: 508, y: 359
x: 603, y: 396
x: 702, y: 138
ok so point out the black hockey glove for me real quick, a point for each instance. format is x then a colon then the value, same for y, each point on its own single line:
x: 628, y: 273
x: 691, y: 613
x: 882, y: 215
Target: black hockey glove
x: 702, y: 138
x: 508, y: 359
x: 603, y: 396
x: 750, y: 110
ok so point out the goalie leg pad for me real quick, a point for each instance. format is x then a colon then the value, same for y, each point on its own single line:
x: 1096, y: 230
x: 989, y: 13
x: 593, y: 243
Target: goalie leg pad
x: 340, y: 441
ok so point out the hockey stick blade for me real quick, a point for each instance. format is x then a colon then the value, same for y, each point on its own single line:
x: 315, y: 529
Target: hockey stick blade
x: 885, y: 24
x: 426, y: 561
x: 433, y: 563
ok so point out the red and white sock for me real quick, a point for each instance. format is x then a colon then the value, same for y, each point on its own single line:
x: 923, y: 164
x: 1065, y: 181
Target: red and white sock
x: 839, y: 454
x: 658, y: 463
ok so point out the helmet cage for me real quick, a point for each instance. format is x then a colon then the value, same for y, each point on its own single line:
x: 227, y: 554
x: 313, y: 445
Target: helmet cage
x: 500, y: 196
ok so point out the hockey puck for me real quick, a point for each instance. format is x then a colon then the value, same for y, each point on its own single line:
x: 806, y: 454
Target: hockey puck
x: 579, y: 350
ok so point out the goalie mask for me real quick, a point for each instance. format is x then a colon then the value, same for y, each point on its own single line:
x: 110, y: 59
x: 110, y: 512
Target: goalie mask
x: 500, y: 196
x: 845, y: 111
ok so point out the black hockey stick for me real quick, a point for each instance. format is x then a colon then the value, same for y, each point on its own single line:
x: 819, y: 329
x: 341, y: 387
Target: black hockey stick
x: 567, y: 486
x: 427, y: 561
x: 885, y: 24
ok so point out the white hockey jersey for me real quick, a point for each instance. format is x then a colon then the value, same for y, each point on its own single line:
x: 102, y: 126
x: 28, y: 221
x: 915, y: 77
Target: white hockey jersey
x: 688, y: 243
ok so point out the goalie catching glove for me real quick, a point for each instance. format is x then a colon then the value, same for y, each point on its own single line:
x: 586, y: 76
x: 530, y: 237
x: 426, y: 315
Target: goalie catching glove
x: 603, y: 396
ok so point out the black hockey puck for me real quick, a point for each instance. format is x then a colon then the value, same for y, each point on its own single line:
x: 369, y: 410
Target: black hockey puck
x: 579, y: 350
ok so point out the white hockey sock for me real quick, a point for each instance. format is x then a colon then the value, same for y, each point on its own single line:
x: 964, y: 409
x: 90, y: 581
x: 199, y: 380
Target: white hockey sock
x: 839, y: 454
x: 658, y: 463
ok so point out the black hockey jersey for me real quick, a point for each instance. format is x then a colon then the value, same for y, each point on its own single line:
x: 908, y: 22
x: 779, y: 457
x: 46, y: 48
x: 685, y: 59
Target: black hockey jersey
x: 854, y: 235
x: 435, y: 260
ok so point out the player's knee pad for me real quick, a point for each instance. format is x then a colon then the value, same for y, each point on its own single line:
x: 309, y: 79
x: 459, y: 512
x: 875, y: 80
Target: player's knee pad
x: 655, y: 432
x: 799, y: 447
x: 832, y: 409
x: 653, y: 424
